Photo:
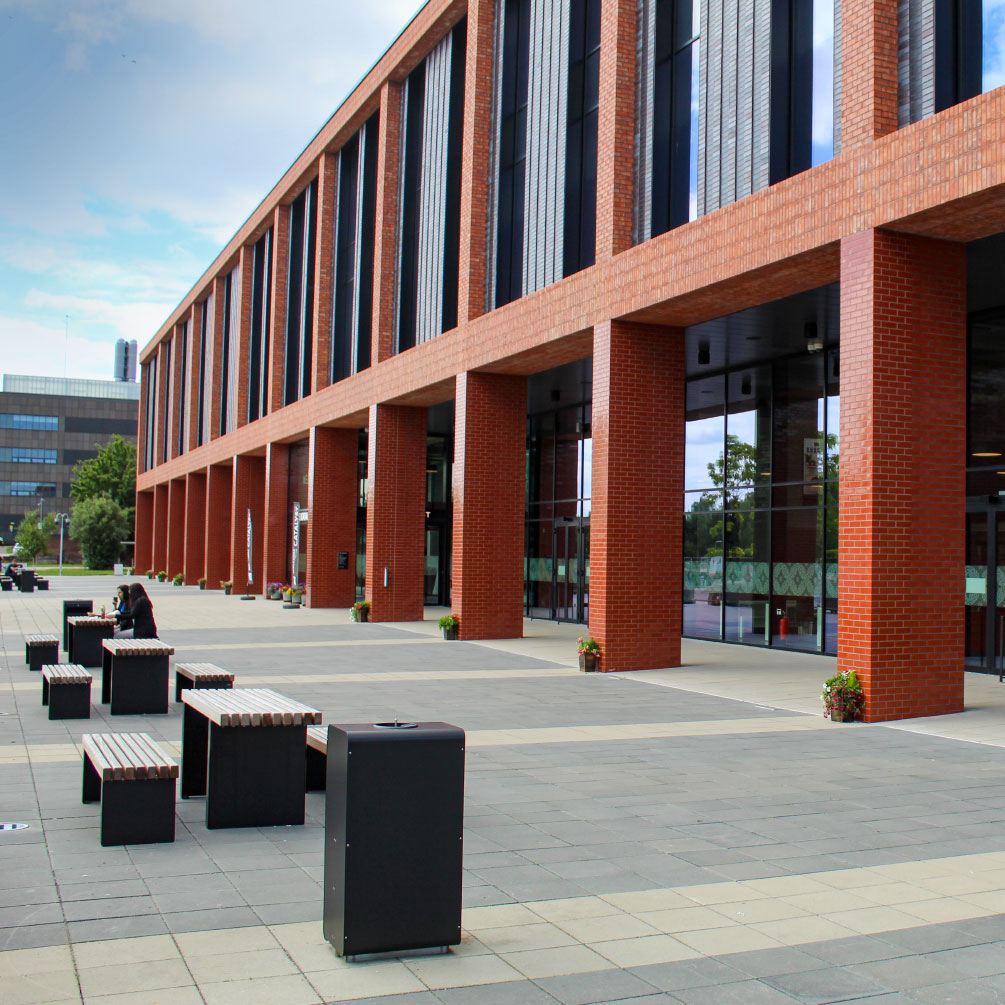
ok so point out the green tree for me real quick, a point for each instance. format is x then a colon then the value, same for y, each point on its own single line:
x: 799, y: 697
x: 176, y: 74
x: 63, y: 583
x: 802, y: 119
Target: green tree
x: 112, y: 473
x: 33, y: 535
x: 100, y: 524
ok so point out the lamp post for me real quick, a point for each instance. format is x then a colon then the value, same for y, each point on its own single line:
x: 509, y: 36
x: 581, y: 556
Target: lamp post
x: 62, y: 519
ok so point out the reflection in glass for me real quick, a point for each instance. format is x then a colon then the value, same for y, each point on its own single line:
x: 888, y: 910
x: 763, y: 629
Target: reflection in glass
x: 746, y: 577
x: 993, y: 45
x: 976, y: 589
x: 822, y: 129
x: 748, y: 454
x: 796, y: 579
x: 986, y: 391
x: 703, y: 433
x: 703, y: 570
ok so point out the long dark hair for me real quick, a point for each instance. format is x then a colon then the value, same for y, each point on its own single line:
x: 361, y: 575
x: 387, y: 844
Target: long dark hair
x: 122, y: 593
x: 135, y: 592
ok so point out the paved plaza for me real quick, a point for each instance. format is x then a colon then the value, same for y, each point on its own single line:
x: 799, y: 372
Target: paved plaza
x: 692, y: 835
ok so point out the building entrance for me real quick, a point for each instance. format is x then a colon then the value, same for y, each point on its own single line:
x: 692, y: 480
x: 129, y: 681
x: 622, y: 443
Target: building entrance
x: 572, y: 570
x: 985, y: 584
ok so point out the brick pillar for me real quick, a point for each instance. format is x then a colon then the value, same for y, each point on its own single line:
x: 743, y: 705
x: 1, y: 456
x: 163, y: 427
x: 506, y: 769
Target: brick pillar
x: 479, y: 73
x: 490, y: 446
x: 276, y: 522
x: 214, y: 355
x: 902, y: 514
x: 192, y: 398
x: 323, y: 263
x: 332, y: 494
x: 248, y: 493
x: 241, y: 342
x: 143, y: 550
x: 385, y: 236
x: 160, y: 527
x: 219, y: 486
x: 176, y: 528
x: 195, y: 526
x: 638, y: 483
x: 396, y: 512
x: 616, y: 127
x: 868, y: 70
x: 277, y: 324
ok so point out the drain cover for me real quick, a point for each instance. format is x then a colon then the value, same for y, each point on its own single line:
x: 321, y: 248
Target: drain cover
x: 13, y: 827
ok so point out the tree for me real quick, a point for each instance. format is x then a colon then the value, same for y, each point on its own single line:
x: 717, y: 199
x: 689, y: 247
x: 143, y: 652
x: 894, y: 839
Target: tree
x: 112, y: 473
x: 100, y: 524
x: 33, y: 534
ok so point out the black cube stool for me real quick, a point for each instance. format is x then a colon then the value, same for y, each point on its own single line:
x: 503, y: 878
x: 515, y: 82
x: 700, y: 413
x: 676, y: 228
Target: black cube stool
x: 40, y: 650
x: 66, y: 689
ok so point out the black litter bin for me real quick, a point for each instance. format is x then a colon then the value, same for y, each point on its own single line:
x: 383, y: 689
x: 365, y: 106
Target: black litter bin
x: 73, y: 609
x: 394, y: 819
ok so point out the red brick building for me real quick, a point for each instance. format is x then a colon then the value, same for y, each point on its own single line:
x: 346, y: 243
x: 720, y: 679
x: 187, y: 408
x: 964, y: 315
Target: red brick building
x: 555, y: 266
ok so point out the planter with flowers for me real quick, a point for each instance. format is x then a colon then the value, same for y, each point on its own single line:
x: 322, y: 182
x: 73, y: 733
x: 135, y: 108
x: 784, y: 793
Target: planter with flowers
x: 178, y: 579
x: 202, y: 582
x: 151, y: 573
x: 451, y: 625
x: 161, y: 576
x: 276, y: 591
x: 589, y: 653
x: 843, y: 696
x: 360, y: 611
x: 226, y: 585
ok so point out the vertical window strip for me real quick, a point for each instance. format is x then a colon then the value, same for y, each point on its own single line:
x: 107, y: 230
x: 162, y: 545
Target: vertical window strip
x: 367, y: 223
x: 345, y: 261
x: 413, y: 99
x: 183, y: 383
x: 228, y: 298
x: 149, y: 443
x: 307, y: 302
x: 233, y: 338
x: 165, y: 350
x: 294, y: 300
x: 645, y: 31
x: 208, y: 324
x: 265, y: 302
x: 452, y: 195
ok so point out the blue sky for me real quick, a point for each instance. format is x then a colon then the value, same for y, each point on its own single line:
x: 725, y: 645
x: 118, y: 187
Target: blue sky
x: 136, y: 136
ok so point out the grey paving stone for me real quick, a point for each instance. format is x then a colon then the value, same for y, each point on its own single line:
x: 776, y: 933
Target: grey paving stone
x: 972, y: 961
x: 600, y: 986
x: 771, y: 962
x: 496, y: 994
x: 116, y: 928
x: 978, y: 991
x: 817, y: 987
x: 208, y: 920
x: 699, y: 973
x: 741, y: 993
x: 112, y: 907
x: 906, y: 972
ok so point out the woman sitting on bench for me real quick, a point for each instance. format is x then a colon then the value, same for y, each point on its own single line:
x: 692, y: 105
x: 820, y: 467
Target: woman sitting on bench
x: 121, y: 613
x: 142, y: 613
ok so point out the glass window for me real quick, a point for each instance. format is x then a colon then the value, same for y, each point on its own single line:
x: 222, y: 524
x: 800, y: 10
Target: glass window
x: 986, y: 391
x: 704, y: 433
x: 747, y: 539
x: 993, y: 45
x: 796, y: 579
x: 703, y: 566
x: 47, y: 489
x: 748, y: 455
x: 27, y: 455
x: 36, y: 422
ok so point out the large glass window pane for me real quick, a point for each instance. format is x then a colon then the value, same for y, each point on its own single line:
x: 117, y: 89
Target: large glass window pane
x: 822, y: 133
x: 993, y: 45
x: 986, y: 391
x: 703, y: 580
x: 747, y: 460
x: 797, y: 580
x: 747, y: 537
x: 798, y: 456
x: 539, y: 598
x: 704, y: 433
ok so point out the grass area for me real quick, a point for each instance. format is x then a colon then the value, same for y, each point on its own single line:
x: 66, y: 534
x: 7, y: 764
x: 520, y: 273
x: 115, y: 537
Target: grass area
x: 72, y: 570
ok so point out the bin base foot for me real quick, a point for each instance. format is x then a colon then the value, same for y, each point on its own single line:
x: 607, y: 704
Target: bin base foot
x: 397, y: 954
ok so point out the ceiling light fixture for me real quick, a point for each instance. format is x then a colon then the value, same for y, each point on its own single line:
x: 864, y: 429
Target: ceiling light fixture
x: 814, y: 343
x: 745, y: 384
x: 987, y: 453
x: 704, y: 356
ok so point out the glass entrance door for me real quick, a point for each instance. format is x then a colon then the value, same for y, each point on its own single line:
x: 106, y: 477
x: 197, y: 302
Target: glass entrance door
x: 985, y: 587
x: 571, y: 570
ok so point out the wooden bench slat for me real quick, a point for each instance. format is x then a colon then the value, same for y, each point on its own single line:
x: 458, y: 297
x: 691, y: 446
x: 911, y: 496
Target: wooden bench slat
x: 317, y: 737
x: 89, y: 619
x: 41, y: 640
x: 137, y: 647
x: 203, y: 671
x: 128, y: 757
x: 250, y: 707
x: 66, y: 673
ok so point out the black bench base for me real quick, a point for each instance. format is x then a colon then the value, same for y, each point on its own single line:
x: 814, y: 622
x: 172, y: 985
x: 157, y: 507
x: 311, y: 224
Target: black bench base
x: 317, y: 770
x: 40, y: 656
x: 140, y: 811
x: 67, y: 701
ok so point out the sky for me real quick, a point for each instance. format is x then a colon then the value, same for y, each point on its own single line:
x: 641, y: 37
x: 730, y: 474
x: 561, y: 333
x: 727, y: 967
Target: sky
x: 136, y: 136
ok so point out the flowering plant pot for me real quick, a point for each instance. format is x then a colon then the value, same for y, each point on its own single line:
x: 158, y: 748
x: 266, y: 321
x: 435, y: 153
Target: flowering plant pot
x: 360, y: 611
x: 451, y: 625
x: 588, y: 661
x: 843, y: 697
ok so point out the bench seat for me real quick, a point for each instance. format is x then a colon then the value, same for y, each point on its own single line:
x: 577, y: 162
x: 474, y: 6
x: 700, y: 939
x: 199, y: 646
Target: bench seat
x: 6, y: 584
x: 135, y: 782
x: 66, y: 689
x: 42, y: 584
x: 317, y: 759
x: 134, y: 680
x: 40, y: 650
x: 200, y: 675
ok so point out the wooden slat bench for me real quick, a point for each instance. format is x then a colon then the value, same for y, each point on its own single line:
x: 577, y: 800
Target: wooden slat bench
x: 86, y: 635
x: 40, y: 650
x: 135, y: 782
x: 134, y: 677
x: 317, y: 759
x: 42, y: 584
x: 66, y: 689
x: 201, y: 675
x: 243, y: 749
x: 6, y: 584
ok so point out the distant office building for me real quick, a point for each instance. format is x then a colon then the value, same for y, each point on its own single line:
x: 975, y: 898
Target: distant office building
x: 125, y: 360
x: 47, y: 425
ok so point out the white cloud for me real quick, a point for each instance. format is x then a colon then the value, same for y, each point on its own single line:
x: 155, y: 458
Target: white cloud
x: 42, y: 351
x: 131, y: 320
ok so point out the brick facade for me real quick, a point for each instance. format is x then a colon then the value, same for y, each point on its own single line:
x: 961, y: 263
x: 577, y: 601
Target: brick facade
x: 219, y: 487
x: 175, y: 561
x: 248, y: 494
x: 276, y: 522
x: 195, y: 526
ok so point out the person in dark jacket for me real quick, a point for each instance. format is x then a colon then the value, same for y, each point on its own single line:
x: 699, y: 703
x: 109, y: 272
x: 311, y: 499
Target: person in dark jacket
x: 121, y: 613
x: 142, y: 613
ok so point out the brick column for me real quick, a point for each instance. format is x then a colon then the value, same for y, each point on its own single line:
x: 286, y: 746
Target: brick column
x: 219, y: 486
x: 396, y: 512
x: 214, y: 356
x: 323, y: 261
x: 176, y: 528
x: 248, y: 493
x: 385, y: 237
x: 277, y: 324
x: 902, y: 514
x: 638, y: 483
x: 241, y: 342
x: 475, y: 160
x: 333, y: 492
x: 160, y: 526
x: 868, y: 70
x: 143, y: 550
x: 276, y: 522
x: 616, y: 127
x: 490, y: 445
x: 195, y: 526
x: 192, y: 398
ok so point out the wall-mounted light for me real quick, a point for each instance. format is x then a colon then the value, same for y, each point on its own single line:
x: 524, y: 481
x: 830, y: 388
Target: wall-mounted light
x: 814, y: 343
x: 704, y: 356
